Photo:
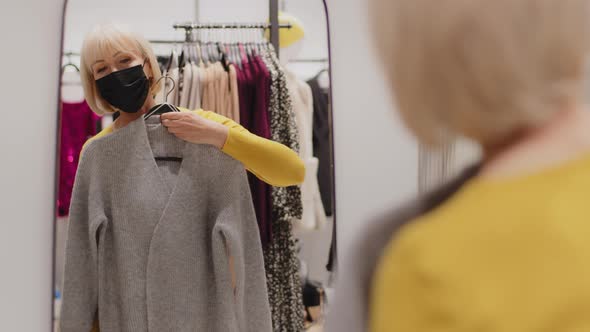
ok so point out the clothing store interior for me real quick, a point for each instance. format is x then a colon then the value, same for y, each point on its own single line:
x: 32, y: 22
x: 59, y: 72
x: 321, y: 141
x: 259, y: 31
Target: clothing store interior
x: 295, y: 166
x: 206, y: 165
x: 236, y: 236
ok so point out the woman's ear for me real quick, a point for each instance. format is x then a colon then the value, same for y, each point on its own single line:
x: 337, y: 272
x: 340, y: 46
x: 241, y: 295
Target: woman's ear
x: 148, y: 69
x: 150, y: 76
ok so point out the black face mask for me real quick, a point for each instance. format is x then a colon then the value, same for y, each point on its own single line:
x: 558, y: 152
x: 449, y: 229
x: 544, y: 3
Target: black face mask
x: 125, y: 89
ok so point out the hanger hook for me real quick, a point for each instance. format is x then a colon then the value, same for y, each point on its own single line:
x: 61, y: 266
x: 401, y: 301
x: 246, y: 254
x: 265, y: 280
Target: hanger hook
x: 166, y: 94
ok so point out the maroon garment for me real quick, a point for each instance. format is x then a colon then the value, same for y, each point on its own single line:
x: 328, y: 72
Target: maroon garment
x: 261, y: 116
x: 254, y: 91
x: 261, y: 123
x: 244, y: 90
x: 78, y: 123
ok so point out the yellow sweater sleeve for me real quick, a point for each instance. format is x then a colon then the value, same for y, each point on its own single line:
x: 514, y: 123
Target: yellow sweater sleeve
x: 271, y: 162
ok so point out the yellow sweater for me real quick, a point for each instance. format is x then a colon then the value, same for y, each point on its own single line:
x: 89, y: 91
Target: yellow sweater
x: 500, y: 255
x: 270, y: 161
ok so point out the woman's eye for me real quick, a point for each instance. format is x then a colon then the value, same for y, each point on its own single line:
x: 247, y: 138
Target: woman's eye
x: 126, y: 60
x: 100, y: 70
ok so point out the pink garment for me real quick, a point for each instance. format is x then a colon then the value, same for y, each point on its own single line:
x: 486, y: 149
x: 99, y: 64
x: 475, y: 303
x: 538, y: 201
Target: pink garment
x: 78, y: 123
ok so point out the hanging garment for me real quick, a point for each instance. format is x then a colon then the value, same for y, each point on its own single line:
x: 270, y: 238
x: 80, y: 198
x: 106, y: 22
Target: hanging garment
x: 254, y: 108
x: 195, y: 99
x: 149, y: 240
x: 321, y: 141
x: 204, y: 82
x: 234, y: 106
x: 185, y: 87
x: 314, y: 216
x: 286, y: 200
x: 245, y: 90
x: 280, y: 256
x: 321, y: 150
x: 208, y: 97
x: 259, y: 119
x: 222, y: 90
x: 78, y: 123
x: 210, y: 93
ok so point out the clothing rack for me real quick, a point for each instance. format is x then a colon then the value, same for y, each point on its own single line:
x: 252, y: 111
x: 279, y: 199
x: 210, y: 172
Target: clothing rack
x: 274, y: 27
x: 319, y: 60
x: 205, y: 26
x: 162, y: 41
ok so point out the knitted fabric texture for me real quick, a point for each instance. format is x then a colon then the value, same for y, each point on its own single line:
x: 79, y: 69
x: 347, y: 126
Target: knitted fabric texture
x: 148, y: 240
x: 280, y: 255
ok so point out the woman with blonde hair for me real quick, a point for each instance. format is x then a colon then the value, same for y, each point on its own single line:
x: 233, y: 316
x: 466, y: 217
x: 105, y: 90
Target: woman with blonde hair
x: 120, y: 72
x: 505, y: 246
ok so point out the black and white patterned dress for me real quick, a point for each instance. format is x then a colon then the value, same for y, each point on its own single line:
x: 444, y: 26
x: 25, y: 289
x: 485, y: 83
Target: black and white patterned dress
x: 280, y: 256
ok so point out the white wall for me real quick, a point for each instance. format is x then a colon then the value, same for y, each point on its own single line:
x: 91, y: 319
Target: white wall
x: 31, y: 59
x: 376, y: 159
x: 312, y: 15
x: 153, y: 19
x: 228, y: 11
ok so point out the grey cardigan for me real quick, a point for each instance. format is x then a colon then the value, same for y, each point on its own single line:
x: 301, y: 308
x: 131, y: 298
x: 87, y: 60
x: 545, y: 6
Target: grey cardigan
x: 350, y: 310
x: 148, y: 240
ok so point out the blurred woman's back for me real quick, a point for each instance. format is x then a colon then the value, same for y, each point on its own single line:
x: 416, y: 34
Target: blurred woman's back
x: 508, y: 250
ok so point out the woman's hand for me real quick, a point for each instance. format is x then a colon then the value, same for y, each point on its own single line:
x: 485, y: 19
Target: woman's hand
x: 193, y: 128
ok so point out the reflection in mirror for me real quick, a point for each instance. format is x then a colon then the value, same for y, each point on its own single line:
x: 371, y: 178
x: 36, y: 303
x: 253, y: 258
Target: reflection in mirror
x: 195, y: 183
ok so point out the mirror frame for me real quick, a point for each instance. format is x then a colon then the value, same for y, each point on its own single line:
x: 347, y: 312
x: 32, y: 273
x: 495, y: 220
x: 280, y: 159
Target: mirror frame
x: 57, y: 151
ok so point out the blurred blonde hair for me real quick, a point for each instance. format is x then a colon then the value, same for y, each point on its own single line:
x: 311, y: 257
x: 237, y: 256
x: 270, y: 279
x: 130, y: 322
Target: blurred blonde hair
x: 106, y: 40
x: 482, y: 69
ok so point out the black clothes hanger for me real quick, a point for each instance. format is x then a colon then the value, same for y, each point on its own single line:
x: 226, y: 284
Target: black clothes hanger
x: 161, y: 109
x: 63, y: 69
x: 165, y: 107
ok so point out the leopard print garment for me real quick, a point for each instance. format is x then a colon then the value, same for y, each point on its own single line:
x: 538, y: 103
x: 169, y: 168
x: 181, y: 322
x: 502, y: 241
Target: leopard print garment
x: 280, y: 256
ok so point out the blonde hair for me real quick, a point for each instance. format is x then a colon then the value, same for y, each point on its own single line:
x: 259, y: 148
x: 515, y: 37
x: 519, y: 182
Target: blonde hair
x: 483, y: 69
x: 108, y: 39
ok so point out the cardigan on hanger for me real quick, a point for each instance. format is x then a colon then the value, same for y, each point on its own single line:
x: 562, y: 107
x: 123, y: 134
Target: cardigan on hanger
x: 148, y: 240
